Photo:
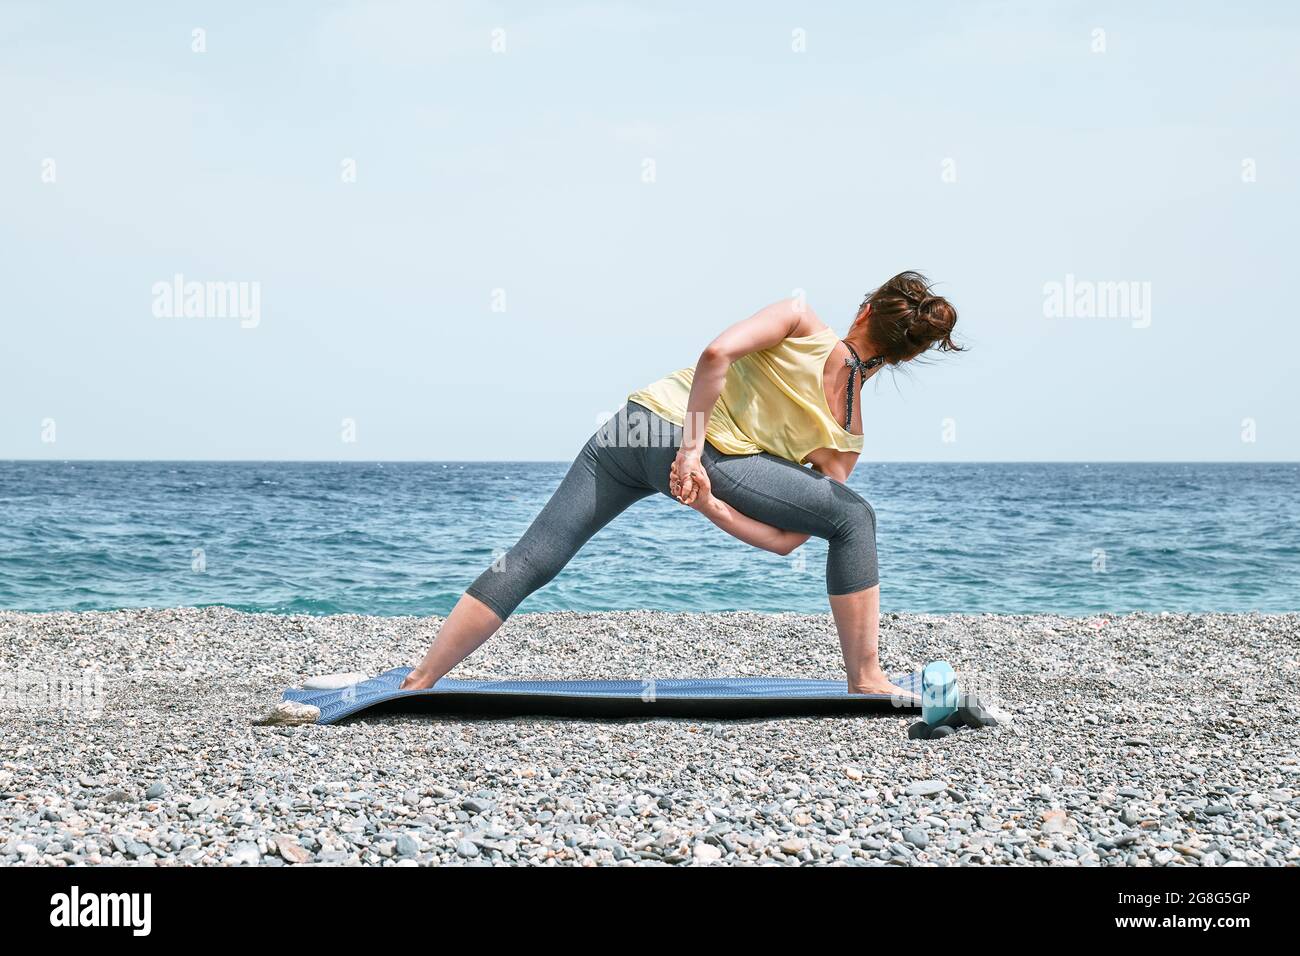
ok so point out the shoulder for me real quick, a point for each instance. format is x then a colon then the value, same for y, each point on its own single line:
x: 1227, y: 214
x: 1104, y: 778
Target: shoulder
x: 807, y: 322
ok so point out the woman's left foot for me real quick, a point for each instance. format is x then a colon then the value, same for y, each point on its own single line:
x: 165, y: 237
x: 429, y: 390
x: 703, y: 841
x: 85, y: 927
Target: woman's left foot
x: 882, y: 685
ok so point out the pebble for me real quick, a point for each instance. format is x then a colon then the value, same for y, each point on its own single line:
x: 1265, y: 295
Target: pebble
x: 179, y: 778
x: 707, y: 852
x: 1057, y: 822
x: 289, y: 713
x: 291, y: 851
x: 246, y: 853
x: 926, y: 788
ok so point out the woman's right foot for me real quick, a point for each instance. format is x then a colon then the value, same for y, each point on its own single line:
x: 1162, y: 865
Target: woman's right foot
x: 415, y: 681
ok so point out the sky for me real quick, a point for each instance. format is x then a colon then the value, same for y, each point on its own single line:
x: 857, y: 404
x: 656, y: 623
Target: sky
x: 468, y: 230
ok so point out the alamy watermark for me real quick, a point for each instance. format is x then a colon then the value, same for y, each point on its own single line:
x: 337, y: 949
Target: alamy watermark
x: 182, y: 299
x: 75, y: 692
x: 633, y: 428
x: 77, y: 908
x: 1088, y: 299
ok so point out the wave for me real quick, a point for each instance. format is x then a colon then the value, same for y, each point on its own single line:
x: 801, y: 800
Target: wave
x: 408, y: 537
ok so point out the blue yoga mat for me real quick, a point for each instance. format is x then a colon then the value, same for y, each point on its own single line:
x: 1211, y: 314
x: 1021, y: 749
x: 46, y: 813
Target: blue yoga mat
x: 692, y: 697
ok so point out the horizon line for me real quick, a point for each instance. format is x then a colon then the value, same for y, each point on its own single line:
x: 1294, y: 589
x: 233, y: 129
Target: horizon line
x: 566, y: 461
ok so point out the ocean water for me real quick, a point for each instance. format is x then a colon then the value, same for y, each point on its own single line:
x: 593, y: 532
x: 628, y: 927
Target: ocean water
x: 406, y: 538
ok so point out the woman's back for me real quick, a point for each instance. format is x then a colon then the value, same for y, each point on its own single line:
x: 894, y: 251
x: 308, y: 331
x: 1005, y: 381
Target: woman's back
x: 773, y: 401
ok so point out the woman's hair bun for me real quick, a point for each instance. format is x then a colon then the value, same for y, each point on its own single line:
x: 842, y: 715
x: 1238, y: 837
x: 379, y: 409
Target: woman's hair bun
x: 906, y: 319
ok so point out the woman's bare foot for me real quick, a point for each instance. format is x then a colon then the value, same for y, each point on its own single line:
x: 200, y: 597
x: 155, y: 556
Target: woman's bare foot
x: 416, y: 681
x: 878, y: 683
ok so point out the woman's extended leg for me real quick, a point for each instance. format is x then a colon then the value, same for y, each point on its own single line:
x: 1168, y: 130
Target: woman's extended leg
x: 470, y: 623
x: 593, y: 493
x: 789, y: 496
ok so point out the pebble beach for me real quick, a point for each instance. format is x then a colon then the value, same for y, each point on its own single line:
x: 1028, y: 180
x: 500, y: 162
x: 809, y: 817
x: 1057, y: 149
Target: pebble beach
x: 129, y: 738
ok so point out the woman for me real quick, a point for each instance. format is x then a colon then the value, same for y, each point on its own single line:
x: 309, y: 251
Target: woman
x: 730, y: 438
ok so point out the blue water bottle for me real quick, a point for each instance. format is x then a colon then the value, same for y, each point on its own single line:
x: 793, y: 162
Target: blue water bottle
x: 938, y: 692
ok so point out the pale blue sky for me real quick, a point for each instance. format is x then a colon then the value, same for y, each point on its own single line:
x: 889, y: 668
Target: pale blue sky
x: 775, y: 171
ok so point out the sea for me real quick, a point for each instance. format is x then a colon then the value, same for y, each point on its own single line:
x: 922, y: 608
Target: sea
x: 405, y: 538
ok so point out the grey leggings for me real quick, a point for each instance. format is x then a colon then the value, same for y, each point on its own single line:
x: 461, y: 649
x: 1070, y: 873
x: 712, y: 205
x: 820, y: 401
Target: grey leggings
x: 628, y: 459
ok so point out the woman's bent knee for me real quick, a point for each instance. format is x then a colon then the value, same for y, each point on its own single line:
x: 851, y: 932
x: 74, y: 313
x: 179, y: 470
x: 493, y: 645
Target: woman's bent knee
x: 855, y: 517
x: 851, y: 563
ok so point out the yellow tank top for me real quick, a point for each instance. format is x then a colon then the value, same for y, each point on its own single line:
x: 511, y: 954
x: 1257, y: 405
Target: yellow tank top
x: 772, y: 401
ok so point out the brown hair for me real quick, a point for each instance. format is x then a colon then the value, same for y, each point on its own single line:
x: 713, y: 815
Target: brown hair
x: 906, y: 320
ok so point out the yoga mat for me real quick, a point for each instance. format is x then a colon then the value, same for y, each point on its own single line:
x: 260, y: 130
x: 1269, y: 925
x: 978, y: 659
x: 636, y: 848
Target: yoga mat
x: 692, y: 697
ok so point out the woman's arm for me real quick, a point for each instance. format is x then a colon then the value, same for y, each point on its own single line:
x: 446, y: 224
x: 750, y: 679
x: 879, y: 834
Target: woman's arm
x: 834, y: 464
x: 749, y: 530
x: 762, y: 330
x: 740, y: 526
x: 755, y: 532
